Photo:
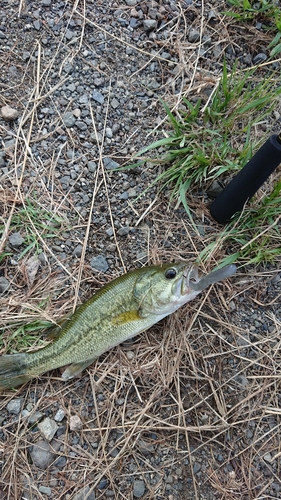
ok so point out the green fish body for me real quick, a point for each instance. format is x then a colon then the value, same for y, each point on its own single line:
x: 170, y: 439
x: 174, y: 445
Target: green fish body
x: 120, y: 310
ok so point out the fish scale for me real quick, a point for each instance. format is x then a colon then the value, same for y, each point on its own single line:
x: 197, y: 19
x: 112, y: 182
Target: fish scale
x: 120, y: 310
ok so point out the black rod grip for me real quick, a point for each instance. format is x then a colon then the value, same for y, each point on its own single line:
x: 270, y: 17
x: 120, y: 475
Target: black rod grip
x: 244, y: 185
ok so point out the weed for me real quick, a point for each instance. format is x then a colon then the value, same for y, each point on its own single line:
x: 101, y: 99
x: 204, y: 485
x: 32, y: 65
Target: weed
x: 249, y: 10
x: 34, y: 220
x: 26, y: 336
x: 208, y: 141
x: 253, y: 237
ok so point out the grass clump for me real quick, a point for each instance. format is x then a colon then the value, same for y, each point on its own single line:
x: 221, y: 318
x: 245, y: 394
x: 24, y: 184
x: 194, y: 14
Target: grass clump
x: 217, y: 139
x: 207, y: 141
x: 37, y: 222
x: 252, y: 237
x: 265, y: 11
x: 249, y: 10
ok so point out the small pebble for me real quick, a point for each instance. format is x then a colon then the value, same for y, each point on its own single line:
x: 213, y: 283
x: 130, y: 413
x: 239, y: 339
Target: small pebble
x: 193, y: 35
x: 84, y: 494
x: 259, y: 58
x: 196, y: 467
x: 130, y: 355
x: 16, y: 239
x: 149, y: 25
x: 4, y: 284
x: 34, y: 417
x: 9, y: 114
x: 41, y: 454
x: 48, y: 428
x: 267, y: 457
x: 99, y: 263
x: 68, y: 119
x: 92, y: 166
x: 45, y: 490
x: 75, y: 423
x: 98, y: 97
x: 59, y: 416
x: 138, y: 488
x: 14, y: 406
x: 110, y: 164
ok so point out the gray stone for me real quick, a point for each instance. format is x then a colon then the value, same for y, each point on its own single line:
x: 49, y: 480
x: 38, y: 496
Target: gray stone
x: 139, y: 488
x: 59, y: 416
x: 9, y: 114
x: 144, y: 446
x: 98, y: 97
x: 34, y: 417
x: 16, y: 239
x: 108, y: 132
x: 2, y: 159
x: 68, y: 68
x: 60, y: 462
x: 131, y: 3
x: 68, y: 119
x: 37, y: 25
x: 98, y: 82
x: 267, y: 457
x: 132, y: 192
x: 96, y: 137
x: 45, y: 490
x: 130, y: 355
x: 149, y: 25
x: 26, y: 55
x: 84, y: 99
x: 41, y: 454
x: 48, y: 428
x: 153, y: 13
x: 123, y: 231
x: 124, y: 196
x: 196, y: 467
x: 110, y: 164
x: 75, y: 423
x: 81, y: 125
x: 85, y: 494
x: 259, y: 58
x: 69, y: 34
x: 4, y: 284
x: 215, y: 189
x: 78, y: 250
x: 14, y: 406
x: 99, y: 263
x: 46, y: 3
x: 92, y: 166
x: 193, y: 35
x: 114, y: 103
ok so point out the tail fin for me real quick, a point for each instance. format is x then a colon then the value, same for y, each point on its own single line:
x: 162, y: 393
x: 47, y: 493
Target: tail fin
x: 13, y: 370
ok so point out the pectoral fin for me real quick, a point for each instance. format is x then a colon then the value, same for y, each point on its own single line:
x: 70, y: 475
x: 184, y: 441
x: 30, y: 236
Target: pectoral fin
x: 126, y: 317
x: 75, y: 368
x: 53, y: 332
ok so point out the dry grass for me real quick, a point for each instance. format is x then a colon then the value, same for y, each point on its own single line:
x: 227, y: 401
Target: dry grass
x: 201, y: 389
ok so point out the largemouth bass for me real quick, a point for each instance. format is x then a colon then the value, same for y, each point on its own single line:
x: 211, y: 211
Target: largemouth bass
x: 120, y: 310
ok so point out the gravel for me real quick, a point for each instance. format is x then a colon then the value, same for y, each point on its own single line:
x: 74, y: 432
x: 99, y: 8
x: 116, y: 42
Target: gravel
x: 16, y: 239
x: 14, y: 406
x: 139, y: 489
x: 41, y: 454
x: 48, y: 428
x: 100, y: 84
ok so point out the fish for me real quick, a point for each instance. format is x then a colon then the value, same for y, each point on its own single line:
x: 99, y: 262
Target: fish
x: 120, y: 310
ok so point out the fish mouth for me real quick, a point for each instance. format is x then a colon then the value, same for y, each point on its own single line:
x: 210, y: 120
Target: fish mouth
x: 190, y: 278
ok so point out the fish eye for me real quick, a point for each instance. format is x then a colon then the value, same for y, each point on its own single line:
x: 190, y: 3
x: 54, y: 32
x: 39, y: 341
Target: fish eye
x: 170, y: 273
